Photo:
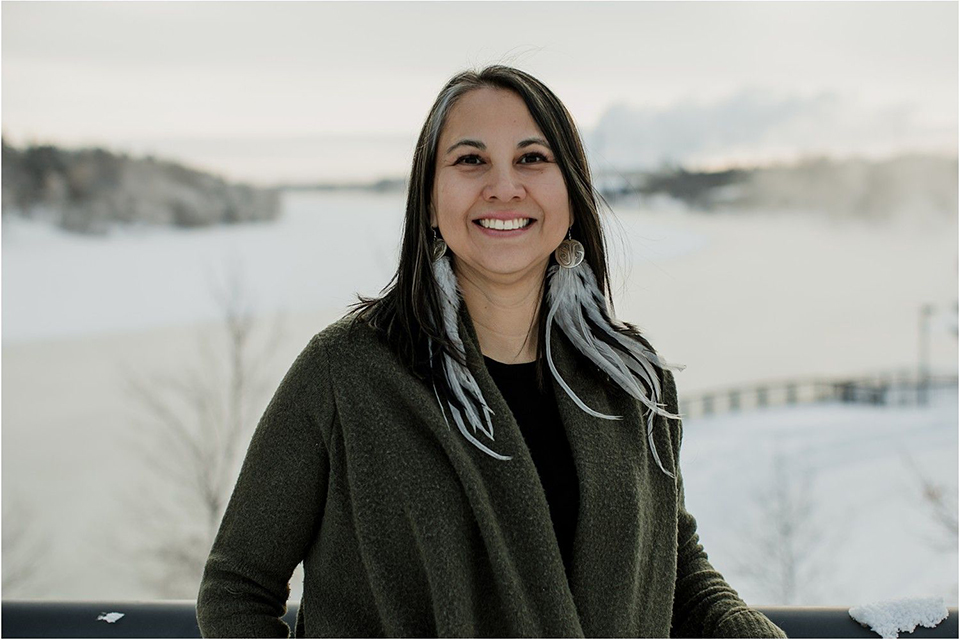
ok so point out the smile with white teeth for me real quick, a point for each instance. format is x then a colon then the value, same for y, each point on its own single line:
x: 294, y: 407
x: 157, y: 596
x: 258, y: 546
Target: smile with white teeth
x: 504, y: 225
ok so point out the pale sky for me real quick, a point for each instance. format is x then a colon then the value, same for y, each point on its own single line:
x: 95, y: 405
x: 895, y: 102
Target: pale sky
x: 256, y: 90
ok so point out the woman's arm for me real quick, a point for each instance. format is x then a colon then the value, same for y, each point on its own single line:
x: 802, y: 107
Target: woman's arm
x: 704, y: 605
x: 275, y: 510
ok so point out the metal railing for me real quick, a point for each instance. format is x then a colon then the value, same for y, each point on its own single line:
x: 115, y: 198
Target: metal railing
x: 177, y: 619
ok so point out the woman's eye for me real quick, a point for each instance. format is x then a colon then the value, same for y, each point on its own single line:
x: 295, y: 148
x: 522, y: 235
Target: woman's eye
x: 473, y: 159
x: 533, y: 158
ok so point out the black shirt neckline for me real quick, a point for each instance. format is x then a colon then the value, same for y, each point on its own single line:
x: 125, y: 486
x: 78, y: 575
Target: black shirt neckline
x: 518, y: 370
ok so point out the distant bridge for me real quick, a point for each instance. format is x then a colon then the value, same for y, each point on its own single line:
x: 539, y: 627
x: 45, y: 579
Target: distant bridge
x: 881, y: 389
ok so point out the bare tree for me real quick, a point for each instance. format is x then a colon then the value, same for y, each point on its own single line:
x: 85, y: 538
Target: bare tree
x: 781, y: 544
x: 940, y: 502
x: 194, y: 424
x: 24, y: 550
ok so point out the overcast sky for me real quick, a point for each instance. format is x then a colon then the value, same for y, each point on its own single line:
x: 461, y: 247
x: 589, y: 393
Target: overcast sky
x: 257, y: 90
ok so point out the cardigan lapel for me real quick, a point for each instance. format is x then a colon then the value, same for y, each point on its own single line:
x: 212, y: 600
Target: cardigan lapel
x: 521, y: 514
x: 611, y: 459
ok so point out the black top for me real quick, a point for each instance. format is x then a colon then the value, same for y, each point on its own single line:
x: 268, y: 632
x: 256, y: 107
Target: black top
x: 539, y: 420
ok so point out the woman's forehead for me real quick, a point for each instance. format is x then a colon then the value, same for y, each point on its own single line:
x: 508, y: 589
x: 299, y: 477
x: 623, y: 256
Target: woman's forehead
x: 489, y: 112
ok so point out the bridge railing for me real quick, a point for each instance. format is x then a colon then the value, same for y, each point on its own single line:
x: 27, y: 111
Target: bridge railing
x: 177, y: 619
x: 894, y: 389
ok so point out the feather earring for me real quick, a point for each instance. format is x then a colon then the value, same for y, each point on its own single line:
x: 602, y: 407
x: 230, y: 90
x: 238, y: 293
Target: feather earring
x: 580, y: 308
x: 466, y: 403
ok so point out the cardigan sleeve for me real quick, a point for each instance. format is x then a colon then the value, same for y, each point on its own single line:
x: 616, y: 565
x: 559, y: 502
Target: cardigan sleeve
x: 275, y: 509
x: 704, y: 605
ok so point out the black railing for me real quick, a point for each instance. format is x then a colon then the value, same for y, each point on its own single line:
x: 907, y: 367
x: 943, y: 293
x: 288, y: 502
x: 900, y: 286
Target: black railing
x: 177, y: 619
x: 883, y: 389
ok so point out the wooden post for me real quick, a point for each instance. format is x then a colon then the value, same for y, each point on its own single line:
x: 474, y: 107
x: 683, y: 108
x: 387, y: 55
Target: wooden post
x: 792, y: 393
x: 923, y: 361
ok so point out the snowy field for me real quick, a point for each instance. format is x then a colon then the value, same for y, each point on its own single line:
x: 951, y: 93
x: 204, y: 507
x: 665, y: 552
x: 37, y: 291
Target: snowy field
x: 852, y: 478
x: 735, y: 298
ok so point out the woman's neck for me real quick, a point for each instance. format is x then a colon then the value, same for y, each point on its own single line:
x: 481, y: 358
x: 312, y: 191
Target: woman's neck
x: 504, y: 313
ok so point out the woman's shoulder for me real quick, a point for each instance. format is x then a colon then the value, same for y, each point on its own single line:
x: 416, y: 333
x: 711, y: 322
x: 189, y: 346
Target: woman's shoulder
x: 349, y: 331
x: 668, y: 388
x: 350, y: 343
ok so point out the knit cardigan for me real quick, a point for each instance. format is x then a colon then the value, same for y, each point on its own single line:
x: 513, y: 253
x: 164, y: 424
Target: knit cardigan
x: 407, y: 529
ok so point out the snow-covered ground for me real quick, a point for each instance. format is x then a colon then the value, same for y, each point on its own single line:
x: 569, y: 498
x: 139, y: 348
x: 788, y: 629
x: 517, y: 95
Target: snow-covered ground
x: 735, y: 298
x: 852, y: 508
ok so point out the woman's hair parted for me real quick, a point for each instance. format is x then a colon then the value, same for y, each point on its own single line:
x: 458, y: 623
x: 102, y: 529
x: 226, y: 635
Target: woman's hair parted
x: 407, y: 312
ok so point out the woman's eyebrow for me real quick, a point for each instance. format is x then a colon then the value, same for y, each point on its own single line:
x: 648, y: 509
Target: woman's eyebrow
x: 526, y: 142
x: 468, y: 143
x: 529, y: 141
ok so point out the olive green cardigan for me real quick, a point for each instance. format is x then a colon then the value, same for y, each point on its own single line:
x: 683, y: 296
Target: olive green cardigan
x: 407, y: 529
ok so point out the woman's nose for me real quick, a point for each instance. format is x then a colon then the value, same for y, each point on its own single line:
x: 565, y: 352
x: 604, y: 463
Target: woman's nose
x: 503, y: 184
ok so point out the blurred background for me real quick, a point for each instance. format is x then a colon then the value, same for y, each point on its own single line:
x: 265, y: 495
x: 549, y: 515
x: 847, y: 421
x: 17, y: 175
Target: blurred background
x: 191, y: 191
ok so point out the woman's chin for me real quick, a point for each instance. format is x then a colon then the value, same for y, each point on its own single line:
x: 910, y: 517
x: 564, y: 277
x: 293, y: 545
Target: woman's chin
x: 506, y: 267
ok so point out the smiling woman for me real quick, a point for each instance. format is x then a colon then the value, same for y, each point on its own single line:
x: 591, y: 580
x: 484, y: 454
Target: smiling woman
x: 501, y: 205
x: 555, y: 507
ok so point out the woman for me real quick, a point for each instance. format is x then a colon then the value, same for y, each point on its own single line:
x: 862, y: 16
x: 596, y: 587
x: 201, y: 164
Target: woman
x: 483, y: 450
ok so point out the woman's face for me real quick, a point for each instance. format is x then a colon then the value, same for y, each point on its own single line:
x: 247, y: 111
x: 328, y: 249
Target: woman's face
x: 499, y: 198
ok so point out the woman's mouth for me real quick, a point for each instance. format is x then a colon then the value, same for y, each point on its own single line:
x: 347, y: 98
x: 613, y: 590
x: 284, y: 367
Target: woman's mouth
x: 498, y: 227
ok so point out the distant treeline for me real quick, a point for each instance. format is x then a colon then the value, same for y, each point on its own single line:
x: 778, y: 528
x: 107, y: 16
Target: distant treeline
x: 384, y: 185
x: 855, y: 188
x: 87, y: 190
x: 851, y: 187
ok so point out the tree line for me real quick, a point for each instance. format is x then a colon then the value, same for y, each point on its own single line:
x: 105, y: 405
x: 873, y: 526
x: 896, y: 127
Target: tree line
x: 88, y: 190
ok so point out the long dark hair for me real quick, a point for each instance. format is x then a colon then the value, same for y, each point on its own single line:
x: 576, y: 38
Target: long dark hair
x: 407, y: 312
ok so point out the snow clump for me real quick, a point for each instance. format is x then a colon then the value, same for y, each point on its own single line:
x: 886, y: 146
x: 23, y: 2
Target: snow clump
x: 891, y: 617
x: 110, y: 617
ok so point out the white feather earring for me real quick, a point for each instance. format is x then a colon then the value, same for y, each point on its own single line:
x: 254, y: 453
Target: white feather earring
x: 467, y: 405
x: 580, y: 308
